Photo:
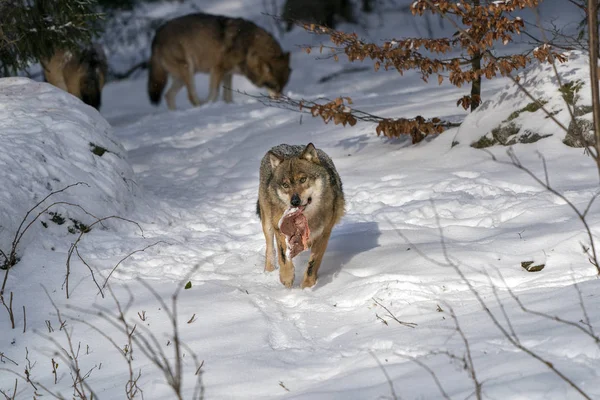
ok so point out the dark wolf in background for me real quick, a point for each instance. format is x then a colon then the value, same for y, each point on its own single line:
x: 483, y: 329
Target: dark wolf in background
x: 215, y: 45
x: 81, y: 72
x: 322, y: 12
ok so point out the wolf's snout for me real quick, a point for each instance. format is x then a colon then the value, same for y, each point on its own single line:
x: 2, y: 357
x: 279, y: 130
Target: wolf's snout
x: 274, y: 93
x: 296, y: 200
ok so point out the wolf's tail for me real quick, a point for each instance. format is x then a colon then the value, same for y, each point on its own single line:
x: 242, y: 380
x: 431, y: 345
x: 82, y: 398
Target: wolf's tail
x: 95, y: 67
x: 157, y: 77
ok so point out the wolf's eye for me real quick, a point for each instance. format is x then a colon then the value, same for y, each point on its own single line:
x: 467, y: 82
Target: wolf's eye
x: 303, y: 179
x: 285, y: 185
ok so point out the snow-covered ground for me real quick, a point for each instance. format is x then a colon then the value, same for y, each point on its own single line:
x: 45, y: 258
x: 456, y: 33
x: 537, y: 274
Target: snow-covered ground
x: 418, y: 217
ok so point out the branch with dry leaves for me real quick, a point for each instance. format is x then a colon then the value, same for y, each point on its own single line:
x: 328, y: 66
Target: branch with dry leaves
x: 340, y: 111
x: 484, y: 24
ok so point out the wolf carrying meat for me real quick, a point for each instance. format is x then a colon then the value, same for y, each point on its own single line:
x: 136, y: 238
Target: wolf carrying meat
x: 298, y: 180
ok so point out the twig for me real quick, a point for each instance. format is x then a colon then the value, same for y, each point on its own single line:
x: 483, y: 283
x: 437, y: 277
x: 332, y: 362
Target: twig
x: 12, y: 258
x: 303, y: 106
x: 381, y: 319
x: 9, y: 309
x: 126, y: 257
x: 146, y: 342
x: 14, y: 395
x: 387, y: 377
x: 469, y: 359
x: 588, y: 331
x: 431, y: 372
x: 514, y: 161
x: 448, y: 262
x: 80, y: 237
x: 4, y: 357
x: 34, y: 385
x: 514, y: 341
x: 334, y: 75
x: 391, y: 315
x: 70, y: 357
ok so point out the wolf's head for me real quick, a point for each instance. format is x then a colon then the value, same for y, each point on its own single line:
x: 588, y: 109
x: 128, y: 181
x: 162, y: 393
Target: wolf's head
x: 268, y: 70
x: 298, y: 181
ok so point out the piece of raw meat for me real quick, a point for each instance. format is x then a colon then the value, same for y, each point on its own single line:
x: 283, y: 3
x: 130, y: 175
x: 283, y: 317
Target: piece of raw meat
x: 294, y: 225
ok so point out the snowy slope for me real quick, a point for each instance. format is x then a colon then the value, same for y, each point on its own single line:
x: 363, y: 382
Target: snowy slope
x: 48, y: 139
x: 416, y: 217
x: 512, y: 106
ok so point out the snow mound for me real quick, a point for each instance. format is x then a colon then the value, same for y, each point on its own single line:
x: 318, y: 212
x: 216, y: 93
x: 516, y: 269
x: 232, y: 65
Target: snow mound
x: 510, y: 116
x: 49, y: 139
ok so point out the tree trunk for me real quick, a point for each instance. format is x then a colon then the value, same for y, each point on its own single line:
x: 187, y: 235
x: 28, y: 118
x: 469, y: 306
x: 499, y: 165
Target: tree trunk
x: 476, y: 66
x: 476, y: 84
x: 593, y: 38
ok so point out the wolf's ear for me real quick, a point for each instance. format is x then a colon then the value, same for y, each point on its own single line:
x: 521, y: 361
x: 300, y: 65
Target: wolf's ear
x: 310, y: 154
x: 275, y: 159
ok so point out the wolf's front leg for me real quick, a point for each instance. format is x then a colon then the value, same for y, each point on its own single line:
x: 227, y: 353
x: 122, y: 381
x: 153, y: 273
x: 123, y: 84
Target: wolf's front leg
x: 216, y: 76
x: 228, y: 88
x: 286, y: 267
x: 269, y: 238
x: 317, y: 250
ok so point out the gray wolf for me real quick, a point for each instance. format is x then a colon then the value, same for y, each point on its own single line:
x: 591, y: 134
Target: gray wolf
x: 215, y: 45
x: 298, y: 176
x: 81, y: 72
x: 322, y: 12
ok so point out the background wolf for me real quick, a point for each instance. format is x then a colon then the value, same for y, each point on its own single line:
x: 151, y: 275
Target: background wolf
x: 217, y: 45
x: 292, y: 176
x: 80, y: 72
x: 321, y: 12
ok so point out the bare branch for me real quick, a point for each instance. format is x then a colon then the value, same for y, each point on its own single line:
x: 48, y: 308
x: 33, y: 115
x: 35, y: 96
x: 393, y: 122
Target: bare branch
x: 126, y: 257
x: 391, y: 315
x: 387, y: 377
x: 430, y: 372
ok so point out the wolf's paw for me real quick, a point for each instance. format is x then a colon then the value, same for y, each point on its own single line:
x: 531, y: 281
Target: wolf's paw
x: 287, y: 282
x: 269, y: 267
x: 308, y: 282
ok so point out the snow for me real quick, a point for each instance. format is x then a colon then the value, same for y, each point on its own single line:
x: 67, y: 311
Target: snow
x: 541, y: 82
x: 45, y: 149
x: 425, y: 224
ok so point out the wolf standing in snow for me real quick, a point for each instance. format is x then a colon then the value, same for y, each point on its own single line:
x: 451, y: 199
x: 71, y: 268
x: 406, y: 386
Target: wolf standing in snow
x: 215, y: 45
x: 300, y: 177
x: 80, y: 72
x: 322, y: 12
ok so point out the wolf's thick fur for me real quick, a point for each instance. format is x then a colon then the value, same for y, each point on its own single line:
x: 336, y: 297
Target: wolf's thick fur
x: 322, y: 12
x: 215, y: 45
x: 81, y: 73
x: 288, y: 172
